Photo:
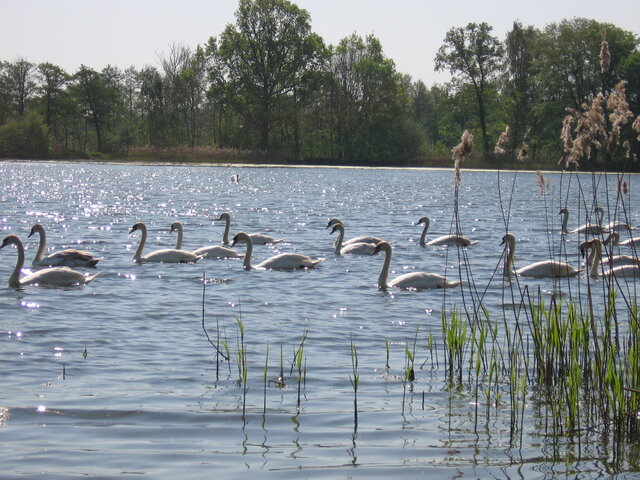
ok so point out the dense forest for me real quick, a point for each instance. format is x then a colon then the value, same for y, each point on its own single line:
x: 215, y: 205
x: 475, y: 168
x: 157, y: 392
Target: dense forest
x: 268, y: 88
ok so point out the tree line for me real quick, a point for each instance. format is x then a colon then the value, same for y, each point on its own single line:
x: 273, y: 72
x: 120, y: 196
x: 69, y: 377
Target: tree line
x: 267, y: 83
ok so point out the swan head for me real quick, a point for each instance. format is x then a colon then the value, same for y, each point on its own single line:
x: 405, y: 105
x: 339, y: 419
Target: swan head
x: 240, y: 237
x: 175, y: 226
x: 585, y: 246
x: 224, y: 216
x: 333, y: 221
x: 9, y: 240
x: 509, y: 240
x: 424, y: 220
x: 563, y: 211
x: 386, y: 246
x: 35, y: 229
x: 137, y: 226
x: 336, y: 227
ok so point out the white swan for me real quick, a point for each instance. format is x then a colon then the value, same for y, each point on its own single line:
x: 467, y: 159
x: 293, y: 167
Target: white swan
x: 412, y: 280
x: 443, y: 239
x: 167, y: 255
x: 70, y: 257
x: 545, y: 268
x: 257, y: 238
x: 53, y: 276
x: 595, y: 261
x: 212, y: 252
x: 358, y: 248
x: 587, y: 228
x: 283, y: 261
x: 360, y: 239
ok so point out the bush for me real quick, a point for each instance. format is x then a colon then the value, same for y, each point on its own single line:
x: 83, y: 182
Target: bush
x: 26, y: 137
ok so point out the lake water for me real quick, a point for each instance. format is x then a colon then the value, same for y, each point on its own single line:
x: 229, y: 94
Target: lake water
x: 116, y: 379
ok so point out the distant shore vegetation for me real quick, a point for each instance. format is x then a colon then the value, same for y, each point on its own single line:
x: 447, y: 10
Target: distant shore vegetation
x: 267, y: 89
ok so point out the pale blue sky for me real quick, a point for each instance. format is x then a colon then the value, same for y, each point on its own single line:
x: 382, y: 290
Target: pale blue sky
x: 69, y: 33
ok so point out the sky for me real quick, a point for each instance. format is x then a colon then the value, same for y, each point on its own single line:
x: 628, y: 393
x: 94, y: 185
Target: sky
x: 125, y: 33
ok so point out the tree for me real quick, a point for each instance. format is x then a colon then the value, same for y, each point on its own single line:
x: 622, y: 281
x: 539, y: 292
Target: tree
x: 476, y: 55
x: 264, y: 58
x: 52, y: 83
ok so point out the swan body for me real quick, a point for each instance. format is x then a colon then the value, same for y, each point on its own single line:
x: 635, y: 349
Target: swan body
x: 357, y: 248
x: 256, y: 238
x: 167, y: 255
x: 52, y: 276
x: 215, y: 252
x: 616, y: 265
x: 542, y: 269
x: 283, y: 261
x: 631, y: 242
x: 618, y: 226
x: 70, y: 257
x: 443, y: 239
x: 409, y: 281
x: 587, y: 228
x: 360, y: 239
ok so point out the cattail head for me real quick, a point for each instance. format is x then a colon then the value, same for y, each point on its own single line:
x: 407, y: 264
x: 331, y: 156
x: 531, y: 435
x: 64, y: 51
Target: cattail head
x: 503, y: 141
x: 459, y: 152
x: 605, y: 56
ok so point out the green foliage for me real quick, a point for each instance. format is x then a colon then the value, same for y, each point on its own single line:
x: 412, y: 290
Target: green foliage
x: 25, y: 137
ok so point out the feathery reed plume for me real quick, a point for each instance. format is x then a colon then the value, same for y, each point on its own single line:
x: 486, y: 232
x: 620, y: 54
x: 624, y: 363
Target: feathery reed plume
x: 459, y: 152
x: 605, y: 56
x: 524, y: 148
x: 567, y: 139
x: 636, y: 125
x: 503, y: 140
x: 542, y: 182
x: 619, y: 113
x: 590, y: 129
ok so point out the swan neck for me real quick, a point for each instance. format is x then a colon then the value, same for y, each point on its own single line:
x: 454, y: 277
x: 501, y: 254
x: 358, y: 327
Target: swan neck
x: 143, y: 239
x: 424, y: 234
x: 508, y: 263
x: 180, y: 238
x: 384, y: 273
x: 14, y: 278
x: 246, y: 264
x: 42, y: 245
x: 338, y: 245
x: 227, y: 226
x: 595, y: 258
x: 565, y: 221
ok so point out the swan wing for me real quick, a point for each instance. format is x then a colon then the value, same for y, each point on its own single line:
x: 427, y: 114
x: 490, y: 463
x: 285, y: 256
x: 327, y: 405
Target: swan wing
x: 171, y: 255
x: 289, y: 261
x: 362, y: 239
x: 548, y: 269
x: 359, y: 248
x: 422, y: 281
x: 68, y: 258
x: 216, y: 252
x: 624, y: 271
x: 57, y: 276
x: 451, y: 240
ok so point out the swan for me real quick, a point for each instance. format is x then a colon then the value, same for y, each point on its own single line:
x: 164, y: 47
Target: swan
x: 53, y: 276
x: 70, y: 257
x: 587, y: 228
x: 283, y: 261
x: 630, y: 242
x: 618, y: 226
x: 595, y: 261
x: 256, y: 238
x: 359, y: 248
x: 545, y: 268
x: 167, y: 255
x: 443, y: 239
x: 360, y: 239
x: 412, y: 280
x: 215, y: 252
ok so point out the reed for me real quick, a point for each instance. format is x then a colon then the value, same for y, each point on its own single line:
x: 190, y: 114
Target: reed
x: 354, y: 378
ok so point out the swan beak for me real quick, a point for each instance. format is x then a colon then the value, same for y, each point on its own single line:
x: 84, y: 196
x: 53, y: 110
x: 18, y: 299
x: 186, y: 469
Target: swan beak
x: 504, y: 240
x: 133, y: 229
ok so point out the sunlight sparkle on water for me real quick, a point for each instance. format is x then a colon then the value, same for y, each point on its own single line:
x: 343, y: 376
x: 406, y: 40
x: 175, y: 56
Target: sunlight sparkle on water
x: 29, y: 304
x: 41, y: 409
